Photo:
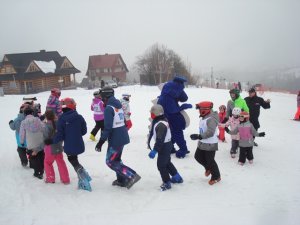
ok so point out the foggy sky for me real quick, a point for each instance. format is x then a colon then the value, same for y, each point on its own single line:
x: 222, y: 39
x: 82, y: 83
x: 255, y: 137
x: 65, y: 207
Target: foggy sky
x: 232, y: 35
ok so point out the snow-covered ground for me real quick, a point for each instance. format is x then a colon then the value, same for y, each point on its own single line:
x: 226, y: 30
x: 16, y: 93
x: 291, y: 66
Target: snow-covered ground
x: 267, y: 192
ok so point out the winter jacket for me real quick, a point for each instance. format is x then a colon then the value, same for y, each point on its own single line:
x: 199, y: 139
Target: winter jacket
x: 171, y: 94
x: 15, y: 125
x: 246, y: 132
x: 98, y: 108
x: 298, y: 101
x: 71, y: 126
x: 117, y: 136
x: 161, y: 135
x: 31, y: 130
x: 239, y: 102
x: 209, y: 141
x: 233, y: 123
x: 54, y: 105
x: 254, y: 103
x: 126, y: 108
x: 48, y: 133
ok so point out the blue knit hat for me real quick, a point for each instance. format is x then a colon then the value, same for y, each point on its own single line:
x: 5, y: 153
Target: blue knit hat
x: 179, y: 78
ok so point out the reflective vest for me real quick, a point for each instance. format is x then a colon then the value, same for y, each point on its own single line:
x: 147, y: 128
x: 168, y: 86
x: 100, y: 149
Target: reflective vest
x: 118, y: 117
x: 203, y: 129
x: 168, y: 135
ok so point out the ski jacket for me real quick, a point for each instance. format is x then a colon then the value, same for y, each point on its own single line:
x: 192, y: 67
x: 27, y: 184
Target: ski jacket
x: 254, y: 103
x: 98, y: 108
x: 246, y: 132
x: 208, y: 131
x: 126, y: 108
x: 48, y: 133
x: 31, y: 130
x: 239, y: 102
x: 117, y: 135
x: 54, y: 105
x: 222, y: 116
x: 172, y: 93
x: 71, y: 126
x: 233, y: 123
x: 15, y: 125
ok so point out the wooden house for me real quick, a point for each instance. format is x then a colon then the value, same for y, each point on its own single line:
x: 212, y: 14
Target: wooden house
x: 26, y: 73
x: 106, y: 67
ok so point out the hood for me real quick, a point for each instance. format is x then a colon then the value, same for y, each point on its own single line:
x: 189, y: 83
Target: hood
x: 173, y: 89
x: 21, y: 116
x: 69, y: 116
x: 114, y: 102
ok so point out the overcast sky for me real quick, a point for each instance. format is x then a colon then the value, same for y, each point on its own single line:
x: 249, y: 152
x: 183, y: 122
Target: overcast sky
x: 224, y: 34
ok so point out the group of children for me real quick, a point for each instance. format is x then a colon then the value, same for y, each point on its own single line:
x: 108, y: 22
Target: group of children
x: 42, y: 141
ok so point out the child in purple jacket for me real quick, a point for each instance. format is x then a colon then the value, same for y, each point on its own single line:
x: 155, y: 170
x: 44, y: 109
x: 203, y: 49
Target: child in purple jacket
x: 98, y: 108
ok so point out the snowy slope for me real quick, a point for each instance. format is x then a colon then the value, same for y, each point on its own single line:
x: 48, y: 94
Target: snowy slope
x: 266, y: 192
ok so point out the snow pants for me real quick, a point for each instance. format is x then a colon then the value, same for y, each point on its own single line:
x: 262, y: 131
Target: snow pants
x: 48, y: 165
x: 207, y: 160
x: 164, y: 164
x: 221, y: 133
x: 22, y: 155
x: 114, y: 161
x: 245, y: 152
x: 99, y: 125
x: 297, y: 115
x: 37, y: 162
x: 234, y: 146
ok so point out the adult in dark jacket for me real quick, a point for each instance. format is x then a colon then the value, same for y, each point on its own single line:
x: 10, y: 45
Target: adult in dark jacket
x: 116, y: 133
x: 71, y: 126
x: 254, y: 103
x: 171, y: 94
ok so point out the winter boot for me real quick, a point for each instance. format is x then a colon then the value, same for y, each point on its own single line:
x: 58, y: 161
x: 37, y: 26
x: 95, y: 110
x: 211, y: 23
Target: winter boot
x: 133, y: 180
x: 181, y: 153
x: 118, y: 183
x: 251, y: 161
x: 177, y: 179
x: 92, y: 137
x: 83, y: 180
x: 240, y: 163
x: 212, y: 182
x: 166, y: 186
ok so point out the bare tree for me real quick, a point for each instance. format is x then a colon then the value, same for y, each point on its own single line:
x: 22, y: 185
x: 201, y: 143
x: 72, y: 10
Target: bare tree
x: 159, y: 64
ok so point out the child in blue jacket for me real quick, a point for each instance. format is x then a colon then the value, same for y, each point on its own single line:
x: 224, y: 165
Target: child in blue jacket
x: 71, y: 126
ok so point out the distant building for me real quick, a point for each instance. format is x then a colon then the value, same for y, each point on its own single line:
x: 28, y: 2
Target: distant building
x: 106, y: 67
x: 33, y: 72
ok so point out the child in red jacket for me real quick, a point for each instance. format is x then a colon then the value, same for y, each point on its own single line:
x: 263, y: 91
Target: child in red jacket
x: 222, y: 115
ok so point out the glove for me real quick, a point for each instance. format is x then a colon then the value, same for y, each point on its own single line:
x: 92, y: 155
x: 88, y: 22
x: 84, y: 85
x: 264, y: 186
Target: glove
x: 48, y: 141
x: 98, y: 147
x: 261, y: 134
x: 11, y: 121
x: 152, y: 154
x: 185, y: 106
x: 227, y: 129
x: 42, y: 117
x: 128, y: 124
x: 195, y: 136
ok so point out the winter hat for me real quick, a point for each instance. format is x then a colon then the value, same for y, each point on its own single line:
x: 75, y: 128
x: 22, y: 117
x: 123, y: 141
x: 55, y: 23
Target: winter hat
x: 236, y: 92
x: 97, y: 94
x: 68, y: 103
x: 236, y: 111
x: 157, y: 110
x: 252, y: 90
x: 55, y: 92
x: 244, y: 115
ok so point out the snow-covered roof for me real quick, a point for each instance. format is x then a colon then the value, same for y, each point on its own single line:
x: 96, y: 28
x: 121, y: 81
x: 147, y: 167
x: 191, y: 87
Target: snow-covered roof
x: 46, y: 67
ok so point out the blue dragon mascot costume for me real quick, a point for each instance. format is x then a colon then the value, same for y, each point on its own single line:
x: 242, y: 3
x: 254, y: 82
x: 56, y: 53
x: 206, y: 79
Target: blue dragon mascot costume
x: 171, y: 94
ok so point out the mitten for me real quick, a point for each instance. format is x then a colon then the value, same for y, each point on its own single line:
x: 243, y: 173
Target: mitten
x: 11, y: 121
x: 128, y: 124
x: 98, y: 147
x: 227, y: 129
x: 195, y: 137
x: 152, y: 154
x: 185, y: 106
x: 48, y: 141
x: 261, y: 134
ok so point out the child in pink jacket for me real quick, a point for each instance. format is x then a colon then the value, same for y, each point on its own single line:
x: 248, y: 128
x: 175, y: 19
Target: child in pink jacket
x: 53, y: 152
x: 98, y: 108
x: 233, y: 123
